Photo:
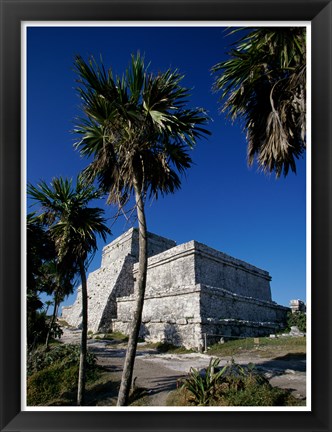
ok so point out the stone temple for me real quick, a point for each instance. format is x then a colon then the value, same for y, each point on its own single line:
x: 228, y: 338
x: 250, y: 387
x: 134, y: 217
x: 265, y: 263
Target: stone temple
x: 194, y: 294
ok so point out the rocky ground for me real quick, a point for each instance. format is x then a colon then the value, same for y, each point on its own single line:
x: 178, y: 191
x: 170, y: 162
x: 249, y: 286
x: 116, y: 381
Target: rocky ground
x: 159, y: 372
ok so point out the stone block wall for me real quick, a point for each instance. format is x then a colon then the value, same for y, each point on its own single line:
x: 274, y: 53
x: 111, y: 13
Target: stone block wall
x: 171, y: 270
x: 221, y: 304
x: 166, y: 317
x: 214, y: 268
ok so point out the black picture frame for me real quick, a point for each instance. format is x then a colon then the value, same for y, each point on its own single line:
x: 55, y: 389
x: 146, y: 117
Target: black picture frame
x: 13, y: 12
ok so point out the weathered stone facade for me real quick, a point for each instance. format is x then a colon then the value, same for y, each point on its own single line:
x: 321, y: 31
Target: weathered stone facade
x: 191, y: 290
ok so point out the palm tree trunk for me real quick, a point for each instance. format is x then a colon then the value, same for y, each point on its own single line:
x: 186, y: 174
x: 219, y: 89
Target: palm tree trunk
x: 54, y: 315
x: 48, y: 304
x: 84, y: 337
x: 128, y: 367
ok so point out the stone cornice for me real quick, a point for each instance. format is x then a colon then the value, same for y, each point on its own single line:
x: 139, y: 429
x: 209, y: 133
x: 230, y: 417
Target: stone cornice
x: 198, y: 249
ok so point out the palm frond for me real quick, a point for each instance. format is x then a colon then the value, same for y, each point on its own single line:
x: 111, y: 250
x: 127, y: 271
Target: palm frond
x: 139, y: 129
x: 264, y: 83
x: 73, y: 225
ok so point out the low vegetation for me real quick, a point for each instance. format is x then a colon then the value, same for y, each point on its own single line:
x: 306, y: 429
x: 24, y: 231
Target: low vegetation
x: 298, y: 319
x: 39, y: 326
x: 261, y: 347
x: 232, y: 385
x: 167, y: 348
x: 114, y: 337
x: 53, y: 374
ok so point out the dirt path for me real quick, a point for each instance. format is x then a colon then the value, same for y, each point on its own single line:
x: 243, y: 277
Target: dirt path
x: 149, y: 370
x: 158, y: 373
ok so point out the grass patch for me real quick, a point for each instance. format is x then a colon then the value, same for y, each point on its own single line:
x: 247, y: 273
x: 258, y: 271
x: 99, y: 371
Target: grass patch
x: 265, y: 348
x: 52, y: 386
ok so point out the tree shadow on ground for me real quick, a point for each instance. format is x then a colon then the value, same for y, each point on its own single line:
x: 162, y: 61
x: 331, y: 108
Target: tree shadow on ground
x: 104, y: 393
x: 105, y: 353
x: 163, y: 384
x: 279, y: 365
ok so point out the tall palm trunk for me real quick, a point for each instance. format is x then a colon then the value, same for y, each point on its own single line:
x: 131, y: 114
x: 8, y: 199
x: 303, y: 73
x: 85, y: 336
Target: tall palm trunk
x: 84, y: 337
x: 54, y: 315
x: 128, y: 367
x: 47, y: 308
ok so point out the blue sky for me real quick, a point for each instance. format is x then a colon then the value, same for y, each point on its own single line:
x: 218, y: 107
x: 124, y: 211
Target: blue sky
x: 222, y: 203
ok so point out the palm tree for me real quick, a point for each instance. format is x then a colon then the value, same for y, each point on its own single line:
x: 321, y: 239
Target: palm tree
x: 48, y: 303
x: 57, y: 280
x: 74, y: 228
x: 138, y: 132
x: 264, y: 82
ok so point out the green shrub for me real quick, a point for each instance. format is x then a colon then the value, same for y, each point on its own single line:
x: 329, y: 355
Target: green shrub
x: 38, y: 325
x: 115, y: 336
x: 298, y: 319
x: 119, y: 336
x: 165, y: 347
x: 203, y: 386
x: 66, y: 354
x: 56, y: 331
x: 233, y: 385
x: 37, y: 328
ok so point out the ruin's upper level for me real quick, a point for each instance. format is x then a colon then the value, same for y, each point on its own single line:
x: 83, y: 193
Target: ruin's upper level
x: 171, y: 267
x: 193, y: 263
x: 127, y: 244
